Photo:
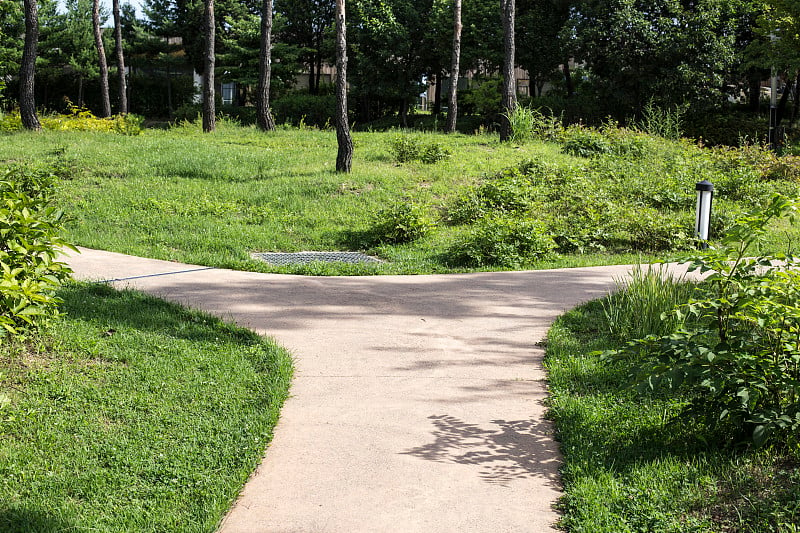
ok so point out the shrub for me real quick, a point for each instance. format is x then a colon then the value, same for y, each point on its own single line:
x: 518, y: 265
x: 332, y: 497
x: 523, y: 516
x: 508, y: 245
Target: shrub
x: 503, y: 240
x: 662, y: 122
x: 738, y: 363
x: 584, y: 142
x: 29, y: 243
x: 407, y: 148
x: 403, y: 221
x: 529, y: 123
x: 298, y: 108
x: 78, y: 119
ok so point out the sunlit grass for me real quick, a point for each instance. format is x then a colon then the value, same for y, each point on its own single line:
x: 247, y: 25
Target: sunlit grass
x: 132, y: 414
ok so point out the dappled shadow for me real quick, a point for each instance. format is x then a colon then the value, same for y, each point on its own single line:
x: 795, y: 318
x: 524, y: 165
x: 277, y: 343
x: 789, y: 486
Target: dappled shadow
x: 33, y: 520
x: 513, y: 449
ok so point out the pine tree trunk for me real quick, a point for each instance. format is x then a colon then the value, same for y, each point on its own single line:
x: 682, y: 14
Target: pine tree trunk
x: 568, y: 79
x: 27, y: 98
x: 452, y: 109
x: 123, y: 86
x: 209, y: 106
x: 509, y: 80
x: 105, y: 101
x: 344, y: 157
x: 263, y: 113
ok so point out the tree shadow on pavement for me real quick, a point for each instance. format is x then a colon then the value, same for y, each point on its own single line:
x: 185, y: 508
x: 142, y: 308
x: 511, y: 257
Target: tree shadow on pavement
x: 514, y: 449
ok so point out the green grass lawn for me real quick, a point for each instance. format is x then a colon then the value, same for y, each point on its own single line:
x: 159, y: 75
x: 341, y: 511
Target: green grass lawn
x: 213, y: 199
x: 630, y: 466
x: 132, y: 414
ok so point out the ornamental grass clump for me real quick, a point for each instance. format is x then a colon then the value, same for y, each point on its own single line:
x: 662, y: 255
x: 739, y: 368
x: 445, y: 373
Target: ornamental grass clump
x: 29, y: 244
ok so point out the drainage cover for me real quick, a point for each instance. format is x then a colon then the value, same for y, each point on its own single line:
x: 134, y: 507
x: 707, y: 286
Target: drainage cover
x: 280, y: 258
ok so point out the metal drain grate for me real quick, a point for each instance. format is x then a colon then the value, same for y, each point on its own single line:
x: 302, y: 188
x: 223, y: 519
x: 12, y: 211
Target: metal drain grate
x: 280, y: 258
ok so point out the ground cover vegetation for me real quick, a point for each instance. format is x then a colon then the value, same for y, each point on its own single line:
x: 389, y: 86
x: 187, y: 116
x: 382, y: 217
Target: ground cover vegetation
x: 118, y: 412
x: 423, y: 202
x: 130, y: 414
x: 676, y: 402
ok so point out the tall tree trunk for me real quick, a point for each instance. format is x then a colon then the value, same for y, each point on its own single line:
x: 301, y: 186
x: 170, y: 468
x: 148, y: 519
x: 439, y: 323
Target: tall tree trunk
x: 209, y: 106
x: 754, y: 94
x: 80, y: 91
x: 452, y: 109
x: 123, y: 85
x: 105, y: 101
x: 263, y: 113
x: 781, y: 111
x: 437, y: 95
x: 27, y: 98
x: 344, y: 157
x: 568, y: 79
x: 509, y: 80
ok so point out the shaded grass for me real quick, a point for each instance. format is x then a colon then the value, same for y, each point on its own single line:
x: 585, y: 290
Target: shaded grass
x: 132, y: 414
x: 630, y: 465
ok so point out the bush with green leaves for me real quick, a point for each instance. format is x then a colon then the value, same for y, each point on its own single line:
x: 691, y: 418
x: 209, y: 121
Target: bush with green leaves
x: 503, y: 240
x: 739, y: 361
x: 531, y: 123
x: 581, y: 141
x: 403, y: 221
x: 408, y: 148
x: 29, y: 242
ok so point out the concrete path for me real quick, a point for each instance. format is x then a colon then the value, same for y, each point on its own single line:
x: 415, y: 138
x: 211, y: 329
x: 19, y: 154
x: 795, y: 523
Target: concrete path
x: 417, y: 400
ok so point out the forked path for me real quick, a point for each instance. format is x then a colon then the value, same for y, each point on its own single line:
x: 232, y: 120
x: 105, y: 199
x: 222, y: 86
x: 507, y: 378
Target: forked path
x: 417, y: 400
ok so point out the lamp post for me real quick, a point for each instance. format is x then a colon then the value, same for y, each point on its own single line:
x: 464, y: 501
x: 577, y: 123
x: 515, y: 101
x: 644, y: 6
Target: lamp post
x: 702, y: 224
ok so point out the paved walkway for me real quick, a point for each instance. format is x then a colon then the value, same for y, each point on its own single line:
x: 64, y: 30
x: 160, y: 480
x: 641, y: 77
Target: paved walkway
x: 417, y: 400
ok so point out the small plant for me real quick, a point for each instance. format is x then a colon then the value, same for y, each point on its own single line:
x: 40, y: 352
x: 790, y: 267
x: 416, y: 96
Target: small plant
x: 642, y: 304
x: 29, y: 246
x: 401, y: 222
x: 666, y: 123
x: 408, y: 148
x: 585, y: 142
x: 531, y: 123
x: 503, y: 240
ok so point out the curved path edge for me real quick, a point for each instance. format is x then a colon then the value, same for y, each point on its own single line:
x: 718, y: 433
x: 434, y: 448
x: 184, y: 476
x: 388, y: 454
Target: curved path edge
x: 417, y: 403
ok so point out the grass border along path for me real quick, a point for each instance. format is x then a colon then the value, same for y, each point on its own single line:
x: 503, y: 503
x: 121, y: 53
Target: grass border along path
x: 133, y: 414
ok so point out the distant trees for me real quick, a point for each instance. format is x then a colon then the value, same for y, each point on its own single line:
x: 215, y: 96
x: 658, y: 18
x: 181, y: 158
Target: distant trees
x: 630, y: 52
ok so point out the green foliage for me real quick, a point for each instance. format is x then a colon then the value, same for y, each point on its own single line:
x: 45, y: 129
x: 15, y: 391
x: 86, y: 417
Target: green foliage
x: 529, y: 123
x: 29, y: 245
x: 407, y: 148
x: 78, y: 119
x: 128, y: 413
x: 662, y: 122
x: 642, y: 303
x: 739, y: 362
x: 584, y: 142
x: 403, y: 221
x: 299, y: 107
x: 503, y: 240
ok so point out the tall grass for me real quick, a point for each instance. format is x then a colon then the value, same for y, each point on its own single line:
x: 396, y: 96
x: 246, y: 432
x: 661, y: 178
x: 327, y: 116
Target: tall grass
x: 642, y: 303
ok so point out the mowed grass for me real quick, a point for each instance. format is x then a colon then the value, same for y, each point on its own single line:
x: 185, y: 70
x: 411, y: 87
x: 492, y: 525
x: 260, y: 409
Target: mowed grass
x: 214, y: 199
x: 632, y: 466
x: 132, y: 414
